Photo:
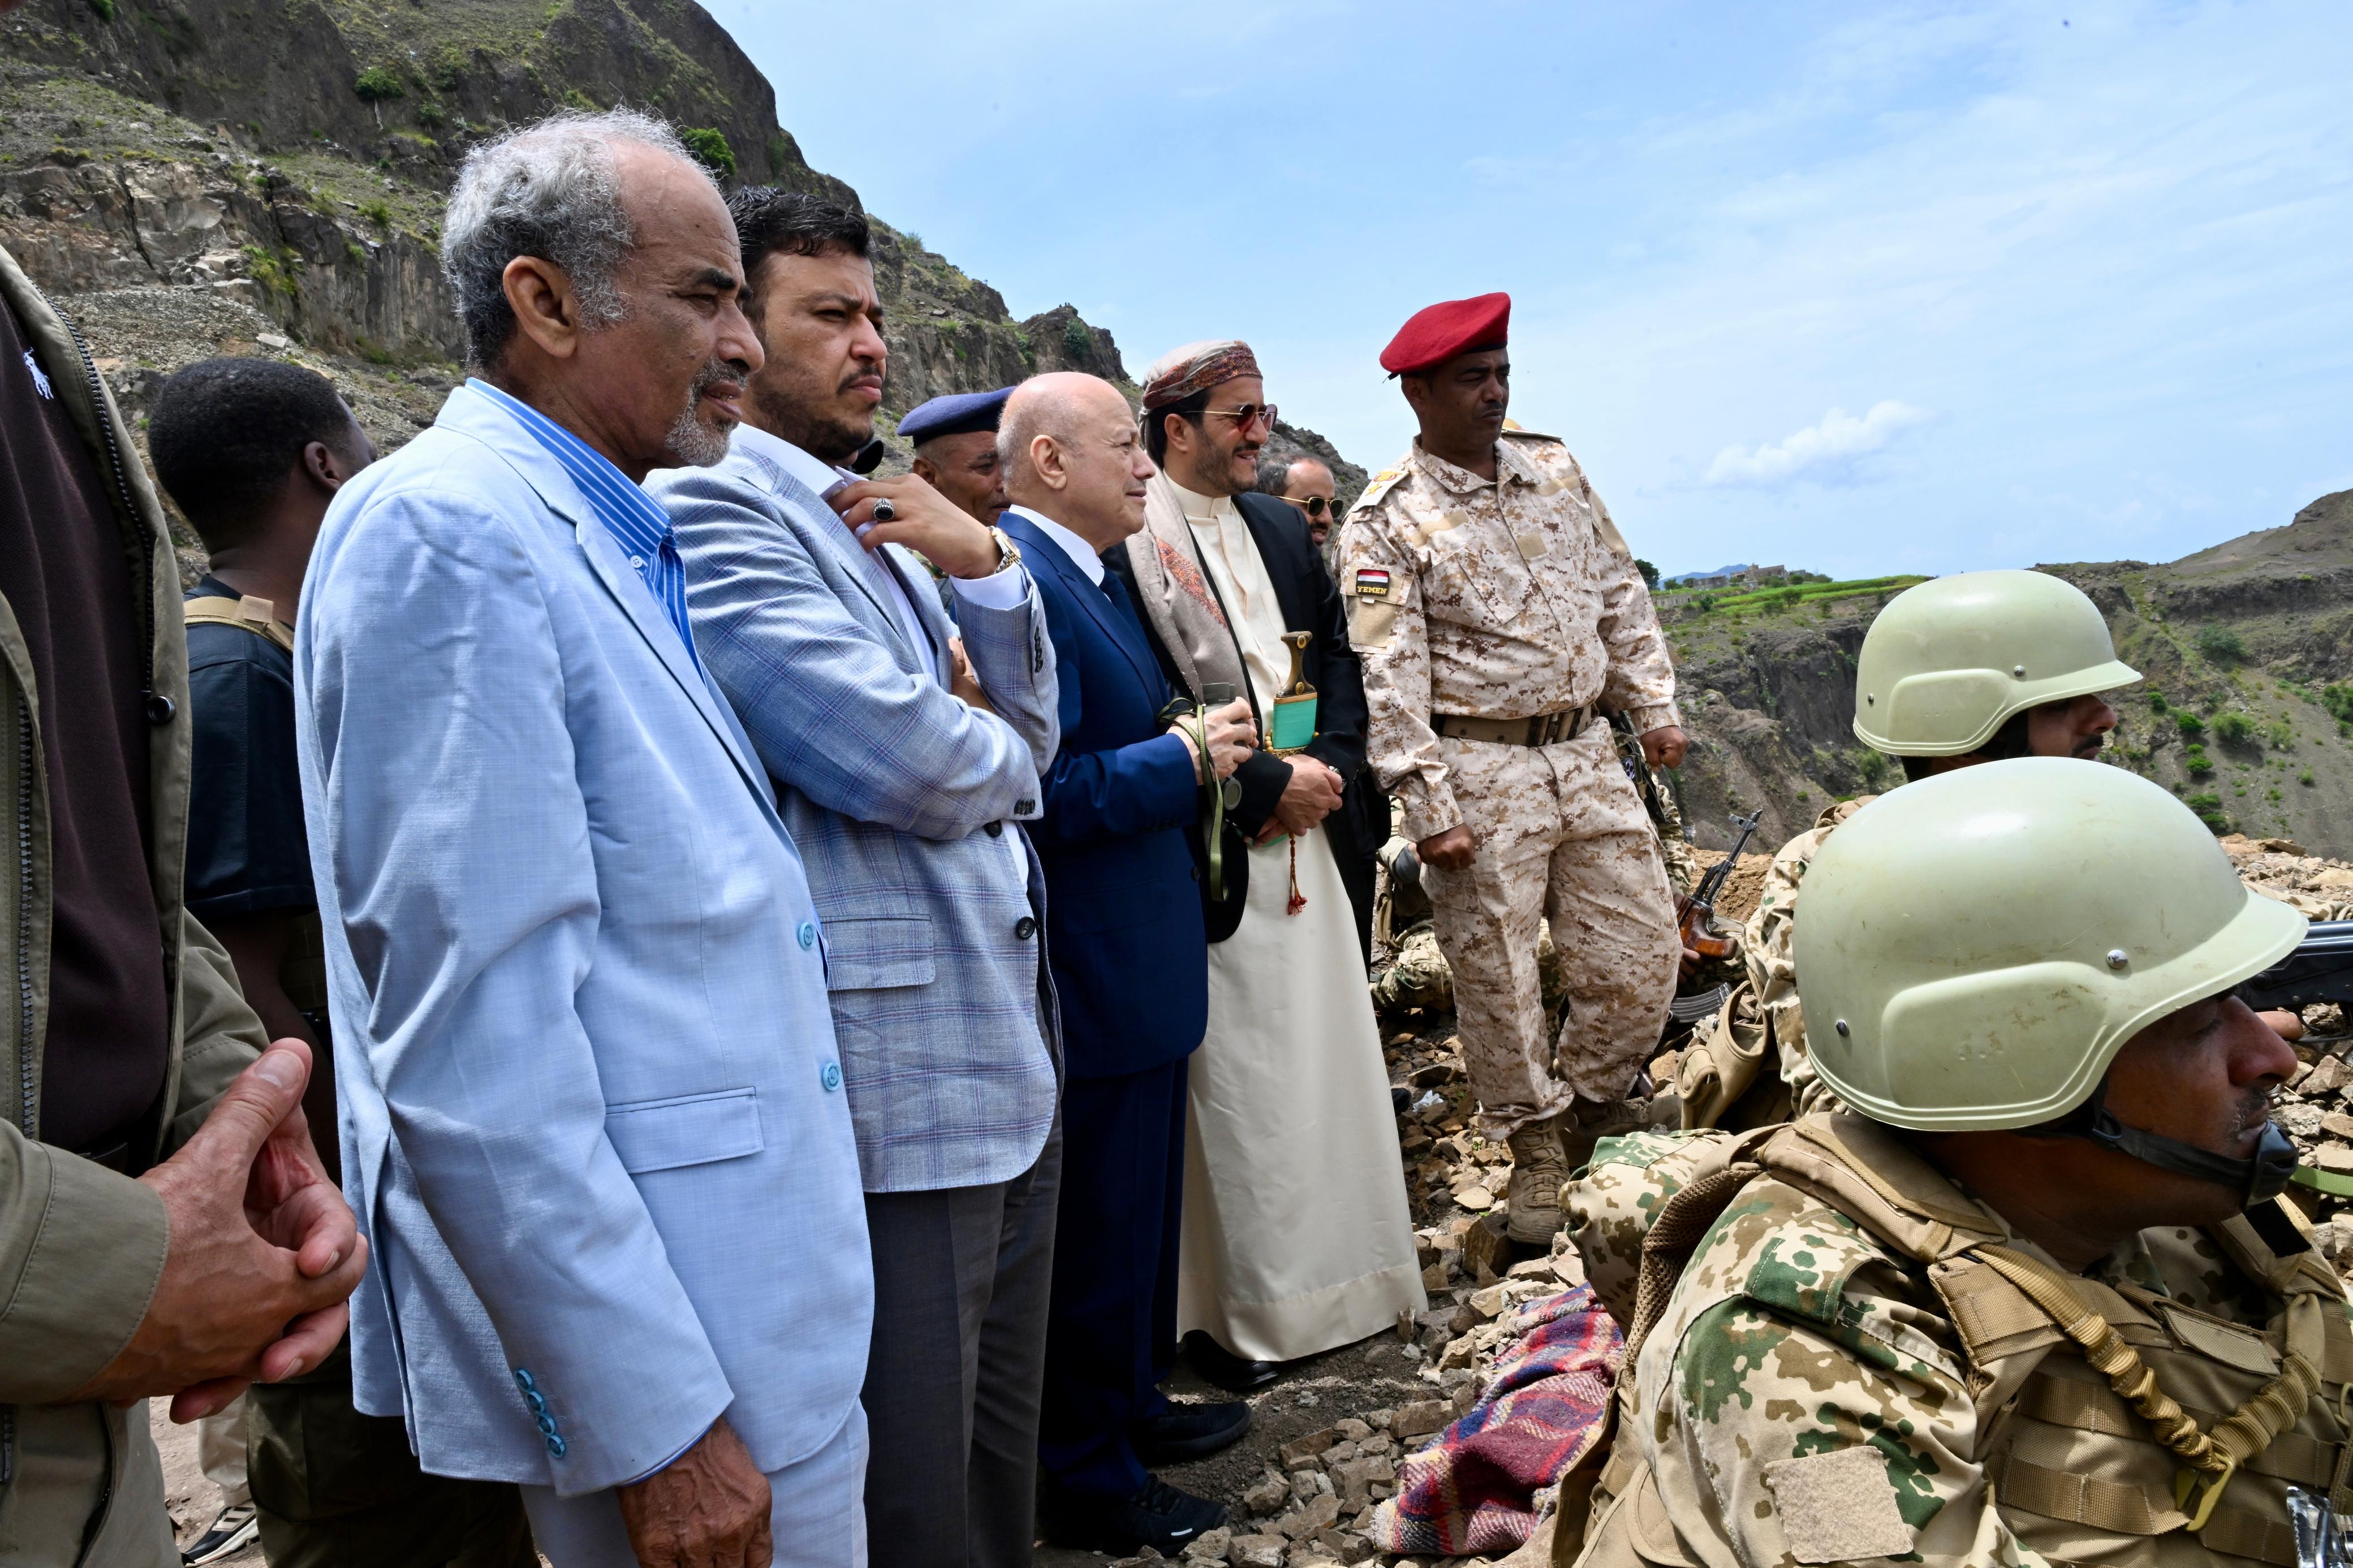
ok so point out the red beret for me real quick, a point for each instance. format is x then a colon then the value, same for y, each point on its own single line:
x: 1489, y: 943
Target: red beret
x: 1433, y: 336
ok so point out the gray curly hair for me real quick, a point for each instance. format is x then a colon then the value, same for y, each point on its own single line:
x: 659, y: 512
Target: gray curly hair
x: 549, y: 190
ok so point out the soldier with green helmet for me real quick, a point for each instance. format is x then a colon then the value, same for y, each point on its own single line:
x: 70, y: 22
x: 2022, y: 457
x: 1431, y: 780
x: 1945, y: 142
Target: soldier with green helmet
x: 2029, y: 1300
x: 1958, y: 670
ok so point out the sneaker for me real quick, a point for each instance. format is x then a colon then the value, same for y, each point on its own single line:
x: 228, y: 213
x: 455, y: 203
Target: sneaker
x: 232, y: 1533
x: 1159, y: 1517
x: 1184, y: 1432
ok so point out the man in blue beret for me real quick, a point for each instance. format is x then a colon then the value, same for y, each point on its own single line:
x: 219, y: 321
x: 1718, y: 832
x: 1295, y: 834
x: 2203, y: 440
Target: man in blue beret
x: 955, y: 448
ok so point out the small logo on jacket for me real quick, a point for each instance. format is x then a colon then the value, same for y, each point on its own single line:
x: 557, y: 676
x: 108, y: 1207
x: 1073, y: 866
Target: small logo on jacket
x: 1372, y: 583
x: 40, y: 381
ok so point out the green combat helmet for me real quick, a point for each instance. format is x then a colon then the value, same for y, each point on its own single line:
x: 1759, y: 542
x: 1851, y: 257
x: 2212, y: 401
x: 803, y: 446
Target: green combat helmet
x: 1979, y: 946
x: 1950, y: 662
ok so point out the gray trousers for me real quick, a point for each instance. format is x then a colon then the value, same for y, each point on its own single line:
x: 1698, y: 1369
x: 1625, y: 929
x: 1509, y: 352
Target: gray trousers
x: 961, y: 1280
x: 812, y: 1519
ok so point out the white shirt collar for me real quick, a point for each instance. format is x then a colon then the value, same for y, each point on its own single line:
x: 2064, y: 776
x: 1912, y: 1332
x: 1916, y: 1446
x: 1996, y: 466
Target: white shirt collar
x: 819, y: 476
x: 1082, y: 554
x: 1200, y: 508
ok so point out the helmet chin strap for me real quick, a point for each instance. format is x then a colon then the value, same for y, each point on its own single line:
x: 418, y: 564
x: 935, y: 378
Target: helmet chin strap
x: 2263, y: 1175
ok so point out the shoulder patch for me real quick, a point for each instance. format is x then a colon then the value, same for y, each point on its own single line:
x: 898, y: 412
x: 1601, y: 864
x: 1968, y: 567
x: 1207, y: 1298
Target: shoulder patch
x: 1371, y: 582
x: 1838, y: 1505
x: 1377, y: 487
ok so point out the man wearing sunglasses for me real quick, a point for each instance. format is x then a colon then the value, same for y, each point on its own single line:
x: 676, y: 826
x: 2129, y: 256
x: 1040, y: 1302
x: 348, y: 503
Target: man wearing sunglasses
x: 1496, y: 610
x: 1296, y: 1235
x: 1307, y: 484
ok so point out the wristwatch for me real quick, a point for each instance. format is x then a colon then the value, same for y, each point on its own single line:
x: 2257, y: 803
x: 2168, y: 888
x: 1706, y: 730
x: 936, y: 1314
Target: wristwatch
x: 1010, y: 553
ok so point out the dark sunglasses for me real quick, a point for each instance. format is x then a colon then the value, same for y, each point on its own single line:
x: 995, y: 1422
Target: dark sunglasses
x: 1314, y: 506
x: 1248, y: 414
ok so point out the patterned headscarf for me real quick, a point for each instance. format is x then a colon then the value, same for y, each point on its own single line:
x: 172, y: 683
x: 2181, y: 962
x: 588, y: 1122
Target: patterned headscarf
x: 1196, y: 367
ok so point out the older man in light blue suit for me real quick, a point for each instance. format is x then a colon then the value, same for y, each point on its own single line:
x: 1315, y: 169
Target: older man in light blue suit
x: 902, y: 770
x: 593, y: 1118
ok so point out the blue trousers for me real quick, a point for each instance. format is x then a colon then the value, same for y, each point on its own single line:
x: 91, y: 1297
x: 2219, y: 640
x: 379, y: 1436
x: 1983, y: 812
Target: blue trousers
x: 1111, y: 1324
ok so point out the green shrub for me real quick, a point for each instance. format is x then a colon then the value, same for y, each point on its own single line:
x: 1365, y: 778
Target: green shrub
x: 1872, y: 765
x: 431, y: 115
x: 1650, y: 574
x: 2196, y: 760
x: 102, y: 9
x: 710, y: 150
x: 2190, y: 724
x: 378, y: 213
x: 2221, y: 645
x: 1077, y: 341
x: 2209, y: 808
x: 2305, y: 778
x: 2338, y: 699
x: 2234, y: 729
x: 2156, y: 701
x: 2280, y: 735
x: 375, y: 84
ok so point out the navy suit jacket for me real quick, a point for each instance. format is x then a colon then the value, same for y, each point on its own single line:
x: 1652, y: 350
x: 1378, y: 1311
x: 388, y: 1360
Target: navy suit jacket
x: 1128, y: 952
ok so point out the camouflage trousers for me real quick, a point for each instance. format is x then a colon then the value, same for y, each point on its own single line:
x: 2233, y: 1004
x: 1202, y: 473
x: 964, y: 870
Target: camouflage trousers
x: 1561, y: 837
x: 1420, y: 978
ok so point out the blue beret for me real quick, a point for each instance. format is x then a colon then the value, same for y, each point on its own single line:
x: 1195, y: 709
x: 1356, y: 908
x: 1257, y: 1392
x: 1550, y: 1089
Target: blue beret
x: 958, y: 413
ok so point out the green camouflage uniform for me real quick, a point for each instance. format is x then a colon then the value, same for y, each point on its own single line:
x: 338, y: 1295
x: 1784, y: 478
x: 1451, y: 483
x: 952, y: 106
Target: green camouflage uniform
x: 1804, y: 1396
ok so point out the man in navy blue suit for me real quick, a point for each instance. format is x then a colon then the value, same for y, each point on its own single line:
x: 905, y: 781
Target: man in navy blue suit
x: 1130, y: 960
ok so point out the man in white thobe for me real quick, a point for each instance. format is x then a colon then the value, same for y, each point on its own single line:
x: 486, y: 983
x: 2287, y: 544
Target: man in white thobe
x: 1297, y: 1234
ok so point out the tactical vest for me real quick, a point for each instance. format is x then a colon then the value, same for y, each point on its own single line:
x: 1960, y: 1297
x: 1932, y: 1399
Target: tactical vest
x: 303, y: 974
x: 2118, y: 1426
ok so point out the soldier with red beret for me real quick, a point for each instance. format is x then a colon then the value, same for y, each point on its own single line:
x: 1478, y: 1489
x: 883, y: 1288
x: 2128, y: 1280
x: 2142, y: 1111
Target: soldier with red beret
x: 1495, y: 609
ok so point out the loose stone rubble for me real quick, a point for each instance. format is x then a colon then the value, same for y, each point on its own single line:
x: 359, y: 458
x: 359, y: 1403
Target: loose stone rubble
x: 1312, y: 1503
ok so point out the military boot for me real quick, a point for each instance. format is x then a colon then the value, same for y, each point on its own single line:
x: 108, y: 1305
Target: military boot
x: 1531, y: 1213
x: 1587, y: 1121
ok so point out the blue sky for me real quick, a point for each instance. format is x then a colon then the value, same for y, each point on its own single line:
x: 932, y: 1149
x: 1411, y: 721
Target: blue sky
x: 1865, y: 289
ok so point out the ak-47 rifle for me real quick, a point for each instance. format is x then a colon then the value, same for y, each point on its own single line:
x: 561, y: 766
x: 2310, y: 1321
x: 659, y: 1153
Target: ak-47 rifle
x: 2320, y: 969
x: 1695, y: 910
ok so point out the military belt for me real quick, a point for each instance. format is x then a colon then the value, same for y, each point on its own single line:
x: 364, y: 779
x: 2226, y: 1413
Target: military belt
x: 1544, y: 730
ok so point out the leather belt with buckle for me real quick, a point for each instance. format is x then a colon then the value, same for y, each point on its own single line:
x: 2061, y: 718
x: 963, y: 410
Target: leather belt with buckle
x: 1544, y: 730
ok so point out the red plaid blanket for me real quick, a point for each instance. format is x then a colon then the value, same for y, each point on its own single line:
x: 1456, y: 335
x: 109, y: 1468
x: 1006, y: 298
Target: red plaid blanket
x: 1473, y: 1488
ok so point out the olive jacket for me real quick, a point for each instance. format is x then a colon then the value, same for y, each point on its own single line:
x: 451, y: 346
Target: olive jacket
x: 82, y: 1247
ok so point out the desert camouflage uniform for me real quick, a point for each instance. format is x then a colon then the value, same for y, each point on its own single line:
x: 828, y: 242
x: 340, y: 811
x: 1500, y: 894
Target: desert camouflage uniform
x: 1766, y: 948
x: 1419, y: 977
x: 1666, y: 820
x: 1507, y: 600
x: 1808, y: 1396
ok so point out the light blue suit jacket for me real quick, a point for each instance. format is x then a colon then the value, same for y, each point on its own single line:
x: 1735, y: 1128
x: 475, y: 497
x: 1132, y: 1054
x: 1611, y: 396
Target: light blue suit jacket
x: 592, y: 1120
x: 902, y: 798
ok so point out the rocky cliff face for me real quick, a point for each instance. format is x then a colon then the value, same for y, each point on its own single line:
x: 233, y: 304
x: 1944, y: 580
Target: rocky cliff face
x: 281, y: 166
x: 2245, y: 710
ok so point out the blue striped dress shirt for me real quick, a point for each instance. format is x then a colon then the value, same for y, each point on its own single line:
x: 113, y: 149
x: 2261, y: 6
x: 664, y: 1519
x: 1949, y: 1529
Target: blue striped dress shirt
x: 636, y: 522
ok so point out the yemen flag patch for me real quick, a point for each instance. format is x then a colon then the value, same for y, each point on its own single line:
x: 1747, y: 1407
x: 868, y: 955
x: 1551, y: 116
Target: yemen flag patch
x: 1372, y: 582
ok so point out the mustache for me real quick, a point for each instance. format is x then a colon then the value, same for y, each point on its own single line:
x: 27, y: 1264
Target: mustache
x: 716, y: 372
x: 2088, y: 748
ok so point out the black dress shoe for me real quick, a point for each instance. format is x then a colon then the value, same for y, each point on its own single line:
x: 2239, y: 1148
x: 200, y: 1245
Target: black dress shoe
x: 1159, y: 1517
x: 1224, y: 1368
x: 1184, y: 1432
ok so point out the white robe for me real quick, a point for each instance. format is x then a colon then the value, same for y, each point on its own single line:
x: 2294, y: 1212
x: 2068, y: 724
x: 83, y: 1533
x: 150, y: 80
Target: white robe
x: 1296, y: 1235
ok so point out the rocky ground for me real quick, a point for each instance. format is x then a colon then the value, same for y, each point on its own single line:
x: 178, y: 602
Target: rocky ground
x: 1327, y: 1440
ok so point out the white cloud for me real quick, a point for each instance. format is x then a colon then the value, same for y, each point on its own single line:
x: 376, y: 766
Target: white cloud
x: 1822, y: 450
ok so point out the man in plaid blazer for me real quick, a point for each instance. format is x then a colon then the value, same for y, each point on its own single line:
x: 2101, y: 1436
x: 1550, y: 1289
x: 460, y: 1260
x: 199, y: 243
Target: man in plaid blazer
x: 903, y: 760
